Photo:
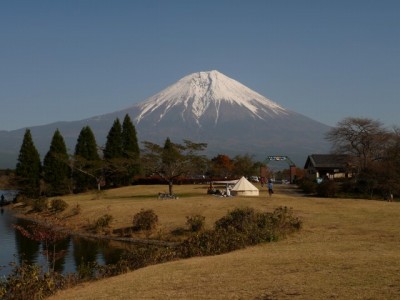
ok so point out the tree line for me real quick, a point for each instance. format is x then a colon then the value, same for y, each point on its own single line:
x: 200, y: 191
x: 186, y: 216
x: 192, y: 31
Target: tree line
x: 373, y: 149
x: 118, y: 162
x: 89, y: 166
x: 375, y: 155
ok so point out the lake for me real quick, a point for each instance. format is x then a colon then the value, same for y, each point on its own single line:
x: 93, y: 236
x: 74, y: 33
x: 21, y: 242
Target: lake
x: 14, y: 247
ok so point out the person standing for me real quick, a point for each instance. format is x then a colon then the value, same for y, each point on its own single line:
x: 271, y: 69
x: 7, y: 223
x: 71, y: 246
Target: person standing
x: 270, y: 187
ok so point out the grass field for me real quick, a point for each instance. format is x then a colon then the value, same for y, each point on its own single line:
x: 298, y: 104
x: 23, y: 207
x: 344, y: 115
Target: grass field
x: 347, y: 249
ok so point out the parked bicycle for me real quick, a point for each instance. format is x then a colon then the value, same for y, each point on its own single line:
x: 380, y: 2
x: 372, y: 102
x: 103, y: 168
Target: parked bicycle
x: 166, y: 196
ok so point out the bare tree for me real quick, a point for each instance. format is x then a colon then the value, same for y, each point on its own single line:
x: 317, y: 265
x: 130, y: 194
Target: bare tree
x: 363, y: 138
x: 390, y: 165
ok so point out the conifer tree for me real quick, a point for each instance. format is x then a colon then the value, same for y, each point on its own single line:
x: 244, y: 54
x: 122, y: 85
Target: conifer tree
x: 56, y: 169
x: 28, y: 167
x: 87, y: 164
x: 115, y: 169
x: 130, y: 144
x: 113, y: 148
x: 86, y: 146
x: 130, y: 148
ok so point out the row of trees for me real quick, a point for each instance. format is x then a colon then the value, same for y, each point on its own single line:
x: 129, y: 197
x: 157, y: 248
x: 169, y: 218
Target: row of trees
x: 118, y: 162
x: 90, y: 165
x: 376, y: 153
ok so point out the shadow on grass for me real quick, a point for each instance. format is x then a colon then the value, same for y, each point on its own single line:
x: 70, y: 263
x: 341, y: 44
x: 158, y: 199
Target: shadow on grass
x: 155, y: 196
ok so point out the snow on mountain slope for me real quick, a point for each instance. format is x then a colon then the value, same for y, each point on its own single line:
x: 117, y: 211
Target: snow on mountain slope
x: 202, y: 107
x: 200, y: 92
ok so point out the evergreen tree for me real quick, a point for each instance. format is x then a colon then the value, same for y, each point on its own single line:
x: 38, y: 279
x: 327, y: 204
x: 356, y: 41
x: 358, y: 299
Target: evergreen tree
x: 86, y: 146
x: 28, y: 167
x: 115, y: 169
x: 87, y: 163
x: 113, y: 148
x: 130, y: 144
x: 56, y: 170
x: 130, y: 148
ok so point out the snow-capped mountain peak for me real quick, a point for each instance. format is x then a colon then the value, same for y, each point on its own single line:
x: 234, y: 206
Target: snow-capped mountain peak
x: 195, y: 94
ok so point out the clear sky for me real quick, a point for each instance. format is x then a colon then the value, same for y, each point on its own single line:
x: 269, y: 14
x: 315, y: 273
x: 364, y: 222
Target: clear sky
x: 71, y: 60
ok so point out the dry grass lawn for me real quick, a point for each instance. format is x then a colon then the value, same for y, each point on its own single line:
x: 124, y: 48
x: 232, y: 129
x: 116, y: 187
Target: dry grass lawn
x: 348, y: 249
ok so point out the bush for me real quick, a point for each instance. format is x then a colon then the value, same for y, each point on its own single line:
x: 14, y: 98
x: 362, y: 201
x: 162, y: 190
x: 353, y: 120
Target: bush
x: 58, y: 205
x: 212, y: 242
x: 327, y: 188
x: 308, y: 186
x: 103, y: 222
x: 283, y: 222
x: 145, y: 220
x: 195, y: 223
x: 240, y: 228
x: 76, y: 210
x: 239, y: 219
x: 40, y: 205
x: 31, y: 282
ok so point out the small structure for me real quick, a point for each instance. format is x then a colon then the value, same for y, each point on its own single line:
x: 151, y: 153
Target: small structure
x: 244, y: 188
x: 331, y: 166
x: 292, y: 166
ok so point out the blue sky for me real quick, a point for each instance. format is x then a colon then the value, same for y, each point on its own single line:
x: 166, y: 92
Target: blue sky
x: 71, y: 60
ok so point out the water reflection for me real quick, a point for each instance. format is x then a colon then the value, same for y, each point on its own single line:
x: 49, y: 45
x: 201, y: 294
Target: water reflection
x: 27, y: 249
x: 15, y: 247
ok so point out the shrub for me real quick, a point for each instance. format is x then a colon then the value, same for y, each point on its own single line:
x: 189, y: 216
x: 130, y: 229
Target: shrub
x: 211, y: 242
x: 195, y: 223
x: 238, y: 219
x: 283, y: 222
x: 30, y: 282
x: 240, y: 228
x: 308, y: 186
x: 76, y: 210
x: 103, y: 222
x: 145, y: 220
x: 40, y: 205
x: 327, y: 188
x: 58, y: 205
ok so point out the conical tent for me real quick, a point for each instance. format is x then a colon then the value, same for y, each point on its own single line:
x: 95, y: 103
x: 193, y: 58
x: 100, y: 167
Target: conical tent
x: 244, y: 188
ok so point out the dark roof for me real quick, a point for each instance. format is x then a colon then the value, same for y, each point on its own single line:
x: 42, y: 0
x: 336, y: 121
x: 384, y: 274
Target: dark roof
x: 328, y: 161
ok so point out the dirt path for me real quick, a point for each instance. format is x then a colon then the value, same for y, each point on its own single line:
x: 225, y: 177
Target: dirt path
x: 288, y: 189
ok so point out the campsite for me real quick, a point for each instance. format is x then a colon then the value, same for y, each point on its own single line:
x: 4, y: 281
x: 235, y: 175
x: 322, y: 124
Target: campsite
x: 239, y: 187
x: 347, y: 249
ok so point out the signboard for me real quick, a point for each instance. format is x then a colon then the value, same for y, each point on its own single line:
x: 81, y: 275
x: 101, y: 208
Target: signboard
x: 276, y: 158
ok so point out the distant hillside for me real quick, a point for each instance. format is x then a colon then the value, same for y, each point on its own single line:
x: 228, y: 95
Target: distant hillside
x: 203, y: 107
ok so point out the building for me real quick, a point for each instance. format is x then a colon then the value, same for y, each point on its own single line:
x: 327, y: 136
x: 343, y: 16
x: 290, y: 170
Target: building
x: 331, y: 166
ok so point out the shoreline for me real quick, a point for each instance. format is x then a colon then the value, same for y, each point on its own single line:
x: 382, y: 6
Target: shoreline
x: 50, y: 222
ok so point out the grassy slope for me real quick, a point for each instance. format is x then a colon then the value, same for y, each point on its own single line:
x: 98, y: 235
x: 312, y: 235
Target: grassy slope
x: 348, y: 249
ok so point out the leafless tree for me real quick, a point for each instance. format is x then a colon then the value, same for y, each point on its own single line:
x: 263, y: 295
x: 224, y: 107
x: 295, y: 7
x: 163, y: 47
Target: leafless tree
x: 363, y: 138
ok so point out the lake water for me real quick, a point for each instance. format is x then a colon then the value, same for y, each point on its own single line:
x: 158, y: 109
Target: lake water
x: 14, y: 247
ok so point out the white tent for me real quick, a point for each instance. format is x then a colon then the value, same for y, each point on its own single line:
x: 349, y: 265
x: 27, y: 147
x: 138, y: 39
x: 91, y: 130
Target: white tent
x: 244, y: 188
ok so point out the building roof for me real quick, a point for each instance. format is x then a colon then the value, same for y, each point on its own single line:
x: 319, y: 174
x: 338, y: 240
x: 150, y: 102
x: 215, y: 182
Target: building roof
x: 328, y: 161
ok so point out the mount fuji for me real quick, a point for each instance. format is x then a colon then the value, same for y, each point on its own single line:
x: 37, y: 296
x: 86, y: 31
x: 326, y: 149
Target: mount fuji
x: 204, y: 107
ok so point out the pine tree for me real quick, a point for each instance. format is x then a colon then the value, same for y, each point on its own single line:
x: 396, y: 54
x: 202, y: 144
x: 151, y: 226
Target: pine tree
x: 56, y: 170
x: 115, y: 169
x: 28, y: 167
x: 113, y: 148
x: 86, y: 146
x: 130, y: 148
x: 87, y: 163
x: 130, y: 144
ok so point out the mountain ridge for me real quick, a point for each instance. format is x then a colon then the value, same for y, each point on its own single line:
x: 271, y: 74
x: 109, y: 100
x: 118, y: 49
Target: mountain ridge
x: 205, y: 107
